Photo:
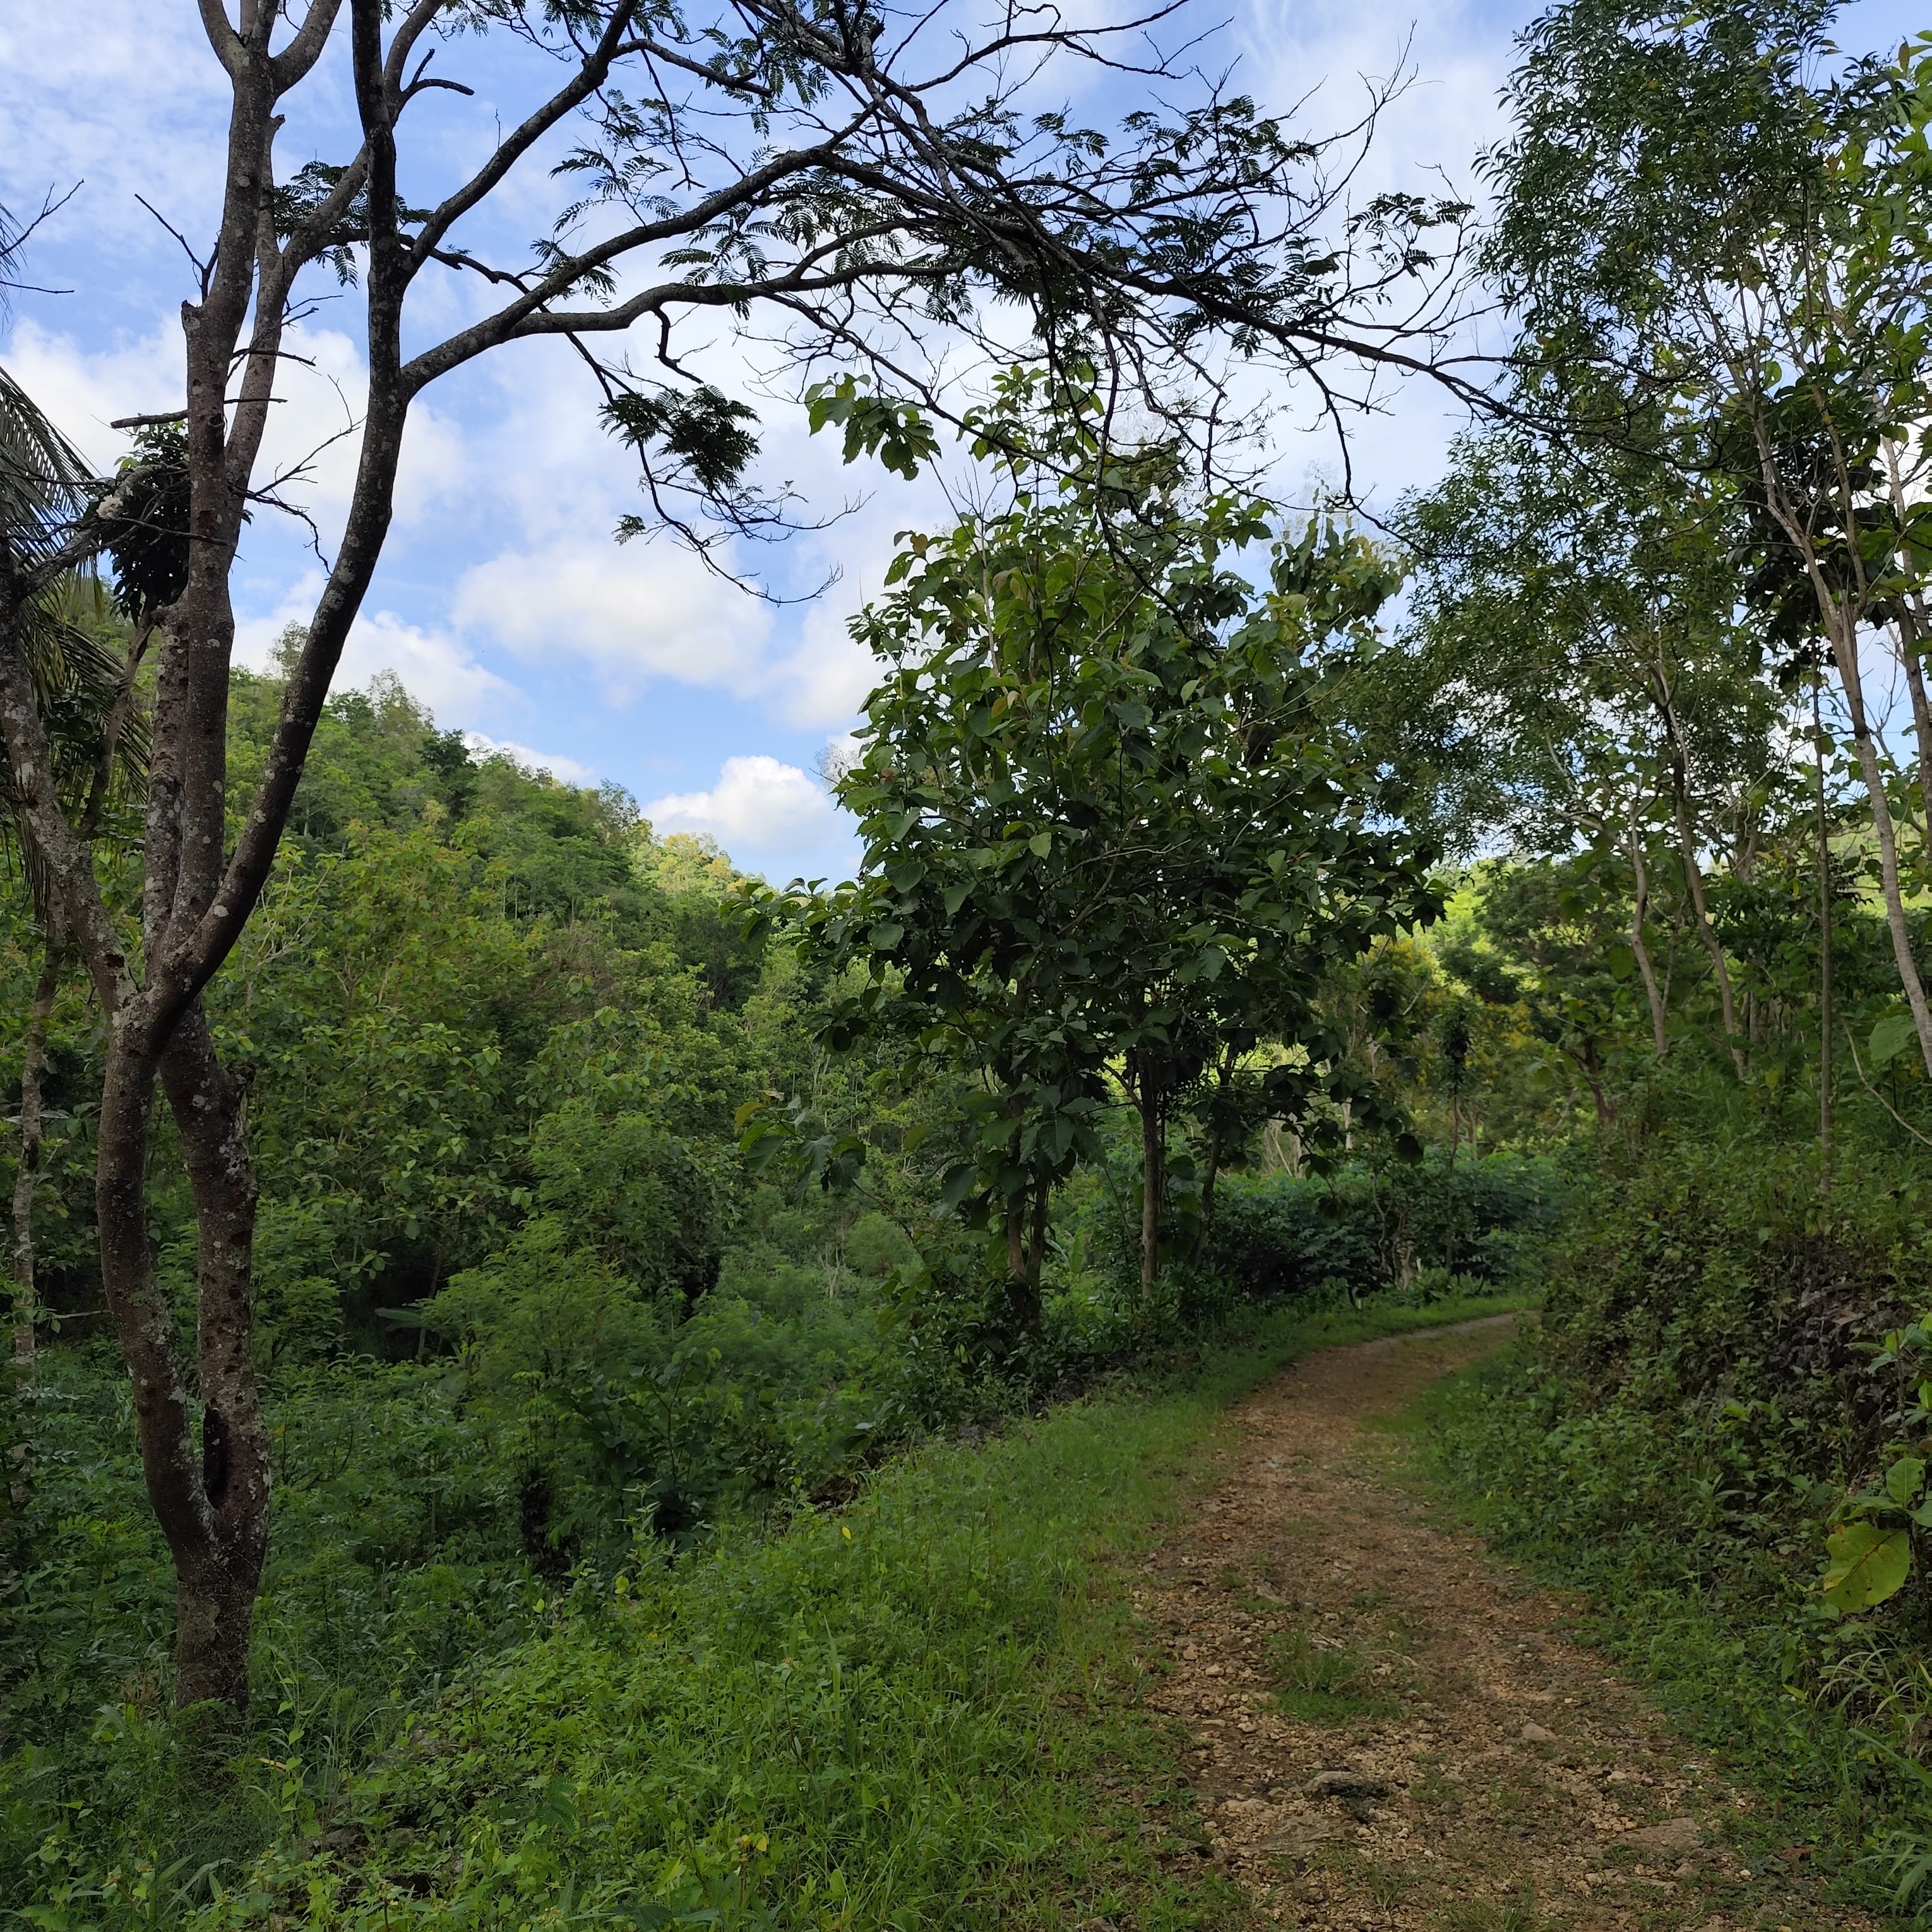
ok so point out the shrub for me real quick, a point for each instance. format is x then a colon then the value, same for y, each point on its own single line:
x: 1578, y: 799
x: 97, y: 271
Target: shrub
x: 1371, y: 1229
x: 1708, y: 1385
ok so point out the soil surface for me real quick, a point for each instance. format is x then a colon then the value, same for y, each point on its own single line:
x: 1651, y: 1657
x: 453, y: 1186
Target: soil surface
x: 1391, y: 1728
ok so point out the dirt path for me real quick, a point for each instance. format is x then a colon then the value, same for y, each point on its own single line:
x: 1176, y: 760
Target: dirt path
x: 1391, y: 1729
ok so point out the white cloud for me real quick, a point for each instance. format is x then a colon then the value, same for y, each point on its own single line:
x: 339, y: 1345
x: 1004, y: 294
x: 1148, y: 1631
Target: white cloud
x: 436, y: 668
x: 569, y: 771
x: 634, y: 611
x: 824, y: 679
x: 311, y: 449
x: 119, y: 96
x: 82, y: 391
x: 314, y: 434
x: 764, y: 813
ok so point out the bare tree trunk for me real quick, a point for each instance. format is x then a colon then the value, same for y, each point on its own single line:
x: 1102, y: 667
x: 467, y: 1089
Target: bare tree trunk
x: 1022, y: 1278
x: 1640, y: 903
x: 1585, y: 1064
x: 1700, y: 920
x: 1208, y: 1178
x: 1909, y: 632
x: 1224, y: 1083
x: 1026, y: 1250
x: 1840, y: 612
x: 210, y: 1496
x: 1693, y: 876
x: 1606, y: 1113
x: 1036, y: 1257
x: 1042, y: 1202
x: 26, y: 1185
x: 1921, y: 723
x: 1824, y: 961
x: 217, y: 1596
x: 1282, y: 1148
x: 1845, y: 656
x: 1154, y: 1171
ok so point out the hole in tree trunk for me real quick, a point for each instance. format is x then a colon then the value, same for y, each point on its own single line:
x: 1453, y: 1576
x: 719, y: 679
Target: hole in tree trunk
x: 214, y: 1458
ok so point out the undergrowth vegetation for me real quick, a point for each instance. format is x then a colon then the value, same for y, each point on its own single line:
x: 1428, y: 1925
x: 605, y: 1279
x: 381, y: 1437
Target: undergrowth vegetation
x: 570, y: 1408
x: 1722, y: 1370
x: 555, y: 1382
x: 915, y: 1707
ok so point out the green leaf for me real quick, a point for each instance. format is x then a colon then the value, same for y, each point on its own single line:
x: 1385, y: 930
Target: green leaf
x: 1905, y: 1479
x: 1891, y: 1037
x: 1040, y: 844
x: 956, y: 1186
x: 885, y: 935
x: 1868, y: 1564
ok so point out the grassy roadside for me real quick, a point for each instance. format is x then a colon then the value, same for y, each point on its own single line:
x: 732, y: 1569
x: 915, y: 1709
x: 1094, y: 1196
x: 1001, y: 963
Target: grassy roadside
x: 917, y: 1711
x: 1714, y: 1664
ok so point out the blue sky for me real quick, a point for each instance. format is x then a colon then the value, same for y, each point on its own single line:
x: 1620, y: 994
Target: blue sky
x: 501, y: 601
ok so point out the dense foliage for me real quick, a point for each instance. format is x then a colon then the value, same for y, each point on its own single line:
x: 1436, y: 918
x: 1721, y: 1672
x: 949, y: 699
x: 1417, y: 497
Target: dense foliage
x: 1664, y: 601
x: 529, y: 1321
x: 1726, y: 1368
x: 1115, y: 840
x: 631, y: 1235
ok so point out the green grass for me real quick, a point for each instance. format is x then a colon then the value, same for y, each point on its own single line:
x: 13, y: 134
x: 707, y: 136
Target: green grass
x: 1320, y: 1685
x: 1715, y: 1662
x: 919, y: 1710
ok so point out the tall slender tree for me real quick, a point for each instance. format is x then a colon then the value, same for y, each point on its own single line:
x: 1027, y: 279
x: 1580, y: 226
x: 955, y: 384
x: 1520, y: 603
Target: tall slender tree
x: 1719, y: 223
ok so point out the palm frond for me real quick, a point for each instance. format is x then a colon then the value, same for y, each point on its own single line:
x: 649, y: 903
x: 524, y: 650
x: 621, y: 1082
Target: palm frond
x: 97, y: 736
x: 44, y: 480
x: 67, y: 630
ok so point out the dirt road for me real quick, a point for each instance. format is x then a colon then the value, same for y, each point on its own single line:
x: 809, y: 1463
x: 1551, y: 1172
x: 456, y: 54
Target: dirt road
x: 1390, y: 1728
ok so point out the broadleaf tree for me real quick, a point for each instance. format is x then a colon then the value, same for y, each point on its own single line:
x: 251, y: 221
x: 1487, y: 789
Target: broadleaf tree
x: 1709, y: 231
x: 1115, y: 838
x: 1582, y: 658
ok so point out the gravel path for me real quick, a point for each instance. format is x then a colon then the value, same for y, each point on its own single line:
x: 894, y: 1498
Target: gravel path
x: 1391, y: 1728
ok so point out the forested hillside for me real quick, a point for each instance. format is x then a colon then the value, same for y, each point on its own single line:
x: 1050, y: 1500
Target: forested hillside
x: 530, y: 1327
x: 555, y: 1381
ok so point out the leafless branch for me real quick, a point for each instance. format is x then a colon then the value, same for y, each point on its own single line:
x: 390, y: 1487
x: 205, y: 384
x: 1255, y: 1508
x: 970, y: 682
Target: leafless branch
x: 202, y: 269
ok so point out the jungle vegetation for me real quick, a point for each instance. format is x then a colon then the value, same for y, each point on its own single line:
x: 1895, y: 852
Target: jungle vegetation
x: 537, y: 1357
